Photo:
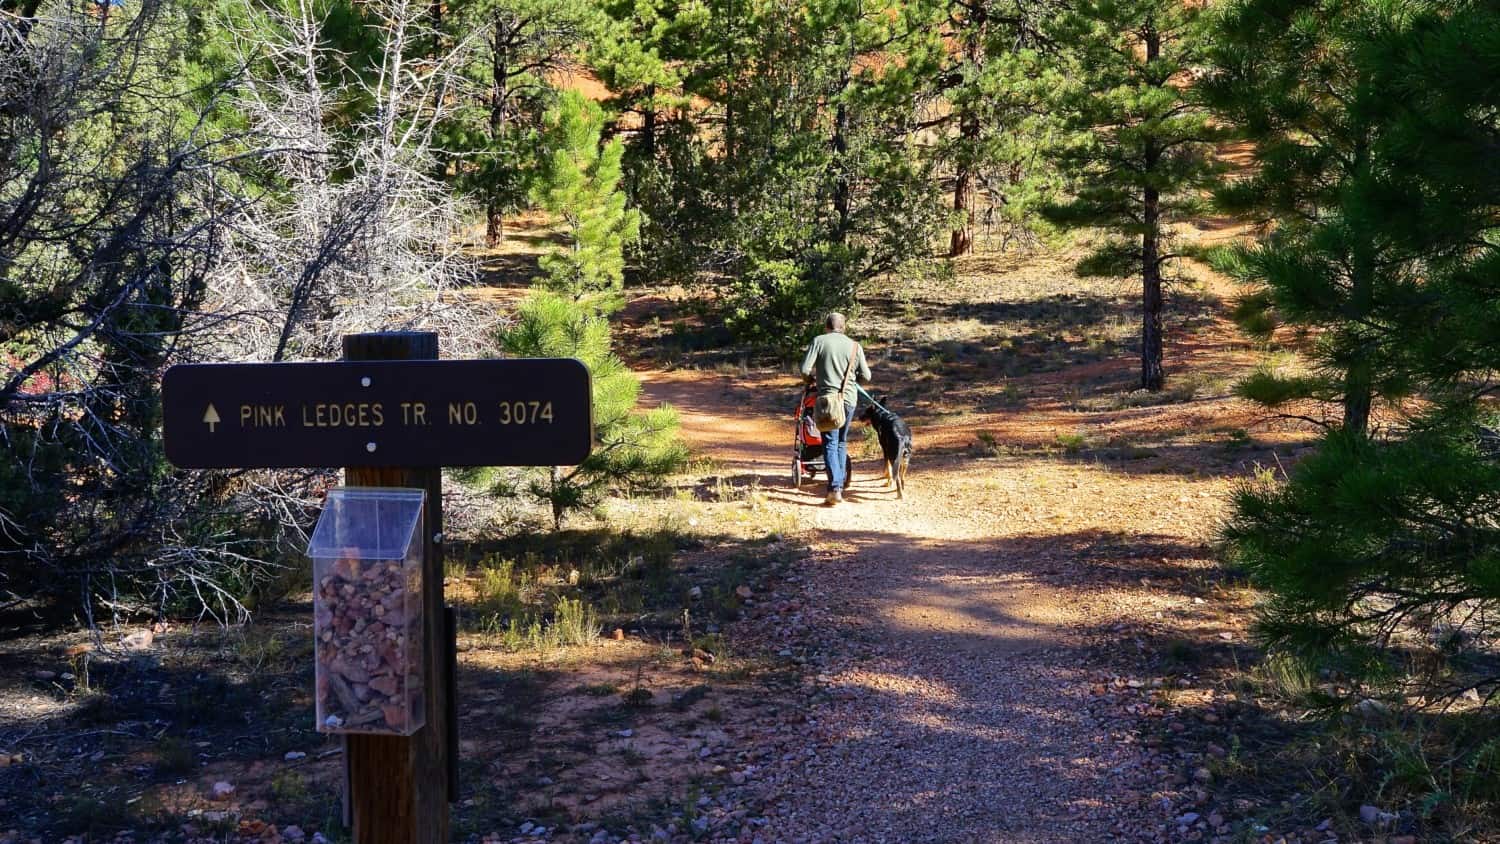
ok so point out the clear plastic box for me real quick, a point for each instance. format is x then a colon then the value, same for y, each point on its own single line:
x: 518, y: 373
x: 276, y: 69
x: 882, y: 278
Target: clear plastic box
x: 367, y: 611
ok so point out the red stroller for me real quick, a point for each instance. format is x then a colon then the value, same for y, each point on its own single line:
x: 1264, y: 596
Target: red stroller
x: 808, y: 448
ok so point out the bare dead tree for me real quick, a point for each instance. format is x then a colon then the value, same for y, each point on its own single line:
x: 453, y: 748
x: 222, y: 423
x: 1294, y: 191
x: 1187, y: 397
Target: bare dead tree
x: 373, y: 247
x: 109, y: 216
x: 136, y: 233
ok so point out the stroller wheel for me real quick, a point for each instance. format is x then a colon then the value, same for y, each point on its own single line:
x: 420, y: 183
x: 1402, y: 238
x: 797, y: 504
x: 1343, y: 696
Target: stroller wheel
x: 796, y: 473
x: 848, y: 470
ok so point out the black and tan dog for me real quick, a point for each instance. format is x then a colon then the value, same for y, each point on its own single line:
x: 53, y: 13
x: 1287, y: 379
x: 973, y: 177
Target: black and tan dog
x: 895, y: 444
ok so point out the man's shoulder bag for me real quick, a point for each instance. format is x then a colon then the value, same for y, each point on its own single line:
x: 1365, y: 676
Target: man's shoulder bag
x: 829, y: 411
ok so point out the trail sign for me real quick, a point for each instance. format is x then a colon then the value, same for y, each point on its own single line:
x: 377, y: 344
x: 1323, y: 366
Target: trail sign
x: 395, y: 413
x: 392, y: 415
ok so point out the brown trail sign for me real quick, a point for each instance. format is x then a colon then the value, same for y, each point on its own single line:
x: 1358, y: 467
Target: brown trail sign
x: 392, y: 415
x: 520, y: 412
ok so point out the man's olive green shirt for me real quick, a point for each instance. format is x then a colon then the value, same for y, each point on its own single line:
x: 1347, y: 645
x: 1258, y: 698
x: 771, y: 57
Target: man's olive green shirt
x: 827, y: 360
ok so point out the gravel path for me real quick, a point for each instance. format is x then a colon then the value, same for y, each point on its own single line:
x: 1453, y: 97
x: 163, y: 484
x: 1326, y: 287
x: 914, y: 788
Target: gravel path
x: 964, y: 710
x: 974, y: 680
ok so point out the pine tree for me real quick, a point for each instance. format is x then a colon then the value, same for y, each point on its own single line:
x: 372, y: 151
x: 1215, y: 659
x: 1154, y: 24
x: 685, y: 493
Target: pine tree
x: 997, y: 130
x: 492, y: 138
x: 1370, y: 540
x: 581, y: 185
x: 877, y: 61
x: 832, y: 187
x: 1387, y: 537
x: 1439, y: 99
x: 1138, y: 158
x: 652, y: 58
x: 639, y: 59
x: 566, y: 314
x: 1290, y: 76
x: 633, y: 449
x: 789, y: 171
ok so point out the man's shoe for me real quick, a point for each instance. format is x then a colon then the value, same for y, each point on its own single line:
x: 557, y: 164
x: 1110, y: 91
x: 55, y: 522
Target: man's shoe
x: 834, y: 497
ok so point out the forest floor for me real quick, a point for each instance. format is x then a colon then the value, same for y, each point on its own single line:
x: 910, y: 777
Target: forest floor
x: 1035, y: 644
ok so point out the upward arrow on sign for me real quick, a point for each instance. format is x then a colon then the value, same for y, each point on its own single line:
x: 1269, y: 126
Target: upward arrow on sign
x: 211, y: 416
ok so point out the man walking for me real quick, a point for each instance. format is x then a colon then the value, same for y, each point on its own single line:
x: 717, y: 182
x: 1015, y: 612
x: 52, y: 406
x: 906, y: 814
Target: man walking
x: 834, y: 362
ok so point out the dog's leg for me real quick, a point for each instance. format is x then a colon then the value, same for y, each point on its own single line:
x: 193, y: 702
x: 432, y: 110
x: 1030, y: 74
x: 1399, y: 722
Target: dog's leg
x: 889, y: 472
x: 901, y: 469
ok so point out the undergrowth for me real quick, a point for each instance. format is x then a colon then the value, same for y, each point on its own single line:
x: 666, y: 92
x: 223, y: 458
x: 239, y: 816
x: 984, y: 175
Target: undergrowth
x: 568, y: 590
x: 1374, y: 768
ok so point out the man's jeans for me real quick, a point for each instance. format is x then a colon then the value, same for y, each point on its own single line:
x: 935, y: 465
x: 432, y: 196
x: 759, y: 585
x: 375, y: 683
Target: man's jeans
x: 836, y: 449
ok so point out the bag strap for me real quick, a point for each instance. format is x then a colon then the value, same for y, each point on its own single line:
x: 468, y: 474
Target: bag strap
x: 844, y: 383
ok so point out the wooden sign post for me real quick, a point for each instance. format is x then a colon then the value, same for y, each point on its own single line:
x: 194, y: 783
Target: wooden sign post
x: 398, y: 787
x: 392, y: 415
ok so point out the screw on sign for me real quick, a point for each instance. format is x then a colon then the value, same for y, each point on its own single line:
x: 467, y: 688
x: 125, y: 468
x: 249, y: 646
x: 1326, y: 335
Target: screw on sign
x: 392, y: 415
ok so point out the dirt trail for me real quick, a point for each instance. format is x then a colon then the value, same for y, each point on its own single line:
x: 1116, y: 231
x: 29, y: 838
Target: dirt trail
x: 975, y: 622
x: 733, y: 422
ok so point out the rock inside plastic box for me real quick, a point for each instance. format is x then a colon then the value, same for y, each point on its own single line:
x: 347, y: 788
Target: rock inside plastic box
x: 366, y: 679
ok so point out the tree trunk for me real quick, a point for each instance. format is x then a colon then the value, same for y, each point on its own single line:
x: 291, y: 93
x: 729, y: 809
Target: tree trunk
x: 494, y: 222
x: 841, y: 188
x: 1358, y: 399
x: 841, y: 176
x: 729, y: 129
x: 1359, y: 386
x: 557, y: 509
x: 435, y: 12
x: 962, y: 240
x: 1153, y: 376
x: 648, y: 124
x: 728, y: 77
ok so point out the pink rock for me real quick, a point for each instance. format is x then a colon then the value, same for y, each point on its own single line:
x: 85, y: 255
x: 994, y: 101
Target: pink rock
x: 354, y: 673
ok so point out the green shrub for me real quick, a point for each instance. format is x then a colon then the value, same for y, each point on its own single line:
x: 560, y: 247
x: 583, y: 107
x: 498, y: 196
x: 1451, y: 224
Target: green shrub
x: 573, y: 623
x: 498, y: 593
x: 633, y: 448
x: 780, y: 304
x: 1369, y: 545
